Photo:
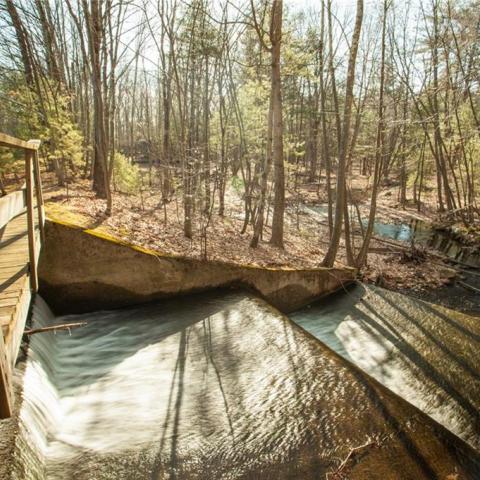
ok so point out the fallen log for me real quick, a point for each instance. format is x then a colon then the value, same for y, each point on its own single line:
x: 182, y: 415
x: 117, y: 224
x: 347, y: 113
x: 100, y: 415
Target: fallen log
x: 54, y: 328
x: 446, y: 258
x: 468, y: 287
x: 456, y: 268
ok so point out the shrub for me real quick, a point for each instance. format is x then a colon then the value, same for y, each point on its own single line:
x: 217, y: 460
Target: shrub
x: 126, y: 176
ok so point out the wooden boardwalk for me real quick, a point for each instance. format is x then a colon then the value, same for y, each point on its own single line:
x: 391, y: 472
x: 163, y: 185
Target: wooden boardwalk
x: 21, y: 229
x: 15, y: 292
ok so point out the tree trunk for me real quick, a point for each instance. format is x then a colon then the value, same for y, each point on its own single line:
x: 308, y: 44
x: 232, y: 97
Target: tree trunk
x: 331, y: 254
x: 279, y: 174
x: 258, y: 228
x: 95, y: 30
x: 379, y: 148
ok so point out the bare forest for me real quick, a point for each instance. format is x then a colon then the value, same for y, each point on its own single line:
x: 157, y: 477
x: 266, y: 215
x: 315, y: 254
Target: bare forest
x: 263, y: 132
x: 239, y: 239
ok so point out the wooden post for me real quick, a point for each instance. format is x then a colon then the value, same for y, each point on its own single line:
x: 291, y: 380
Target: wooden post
x: 38, y: 189
x: 6, y: 397
x: 29, y: 155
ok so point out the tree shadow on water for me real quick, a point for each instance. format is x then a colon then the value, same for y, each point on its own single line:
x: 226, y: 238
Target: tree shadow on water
x: 430, y: 372
x: 174, y: 406
x: 415, y: 449
x: 427, y: 330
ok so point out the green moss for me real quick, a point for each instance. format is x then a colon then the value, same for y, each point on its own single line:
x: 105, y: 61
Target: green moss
x: 59, y: 211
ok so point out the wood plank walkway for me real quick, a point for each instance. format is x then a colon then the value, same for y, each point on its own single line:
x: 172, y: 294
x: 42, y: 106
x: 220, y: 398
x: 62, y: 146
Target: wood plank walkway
x: 15, y: 291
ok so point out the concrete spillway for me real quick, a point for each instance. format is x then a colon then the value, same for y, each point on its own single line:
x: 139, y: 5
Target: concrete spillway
x: 83, y: 270
x: 214, y: 386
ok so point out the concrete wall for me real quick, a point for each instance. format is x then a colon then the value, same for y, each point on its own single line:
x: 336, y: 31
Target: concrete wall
x: 82, y: 270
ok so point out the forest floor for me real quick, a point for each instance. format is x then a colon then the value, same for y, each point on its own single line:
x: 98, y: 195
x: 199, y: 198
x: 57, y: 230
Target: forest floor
x: 140, y: 220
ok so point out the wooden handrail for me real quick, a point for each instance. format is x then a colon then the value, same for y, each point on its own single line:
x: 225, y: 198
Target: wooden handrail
x: 12, y: 142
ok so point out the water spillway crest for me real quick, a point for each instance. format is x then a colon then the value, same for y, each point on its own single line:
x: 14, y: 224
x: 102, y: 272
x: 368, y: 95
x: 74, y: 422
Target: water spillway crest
x: 217, y: 386
x: 40, y: 415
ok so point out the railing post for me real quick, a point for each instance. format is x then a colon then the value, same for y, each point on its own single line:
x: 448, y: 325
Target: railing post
x: 38, y: 189
x: 29, y: 156
x: 6, y: 395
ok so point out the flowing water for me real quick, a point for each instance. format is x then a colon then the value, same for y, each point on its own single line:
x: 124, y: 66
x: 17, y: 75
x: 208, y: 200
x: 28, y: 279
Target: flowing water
x: 426, y: 353
x: 215, y: 386
x: 456, y: 295
x: 420, y: 233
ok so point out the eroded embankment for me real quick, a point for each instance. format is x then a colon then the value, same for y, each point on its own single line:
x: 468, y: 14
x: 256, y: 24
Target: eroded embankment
x: 215, y: 386
x: 81, y: 270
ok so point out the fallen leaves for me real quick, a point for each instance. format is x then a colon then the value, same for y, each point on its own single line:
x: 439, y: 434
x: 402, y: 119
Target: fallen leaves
x: 140, y: 220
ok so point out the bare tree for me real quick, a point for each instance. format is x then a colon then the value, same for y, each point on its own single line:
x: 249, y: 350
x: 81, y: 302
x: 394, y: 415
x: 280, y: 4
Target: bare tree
x: 344, y: 141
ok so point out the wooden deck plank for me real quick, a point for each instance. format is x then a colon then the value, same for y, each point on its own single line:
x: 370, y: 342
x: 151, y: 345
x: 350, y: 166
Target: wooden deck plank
x: 16, y: 284
x: 8, y: 302
x: 7, y: 312
x: 15, y: 291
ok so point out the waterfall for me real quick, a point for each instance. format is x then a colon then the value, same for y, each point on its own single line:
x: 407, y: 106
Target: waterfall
x: 210, y: 386
x: 427, y: 354
x: 40, y: 413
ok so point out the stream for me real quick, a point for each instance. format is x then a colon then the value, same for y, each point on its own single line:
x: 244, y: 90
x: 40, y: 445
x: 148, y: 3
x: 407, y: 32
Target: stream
x: 455, y: 295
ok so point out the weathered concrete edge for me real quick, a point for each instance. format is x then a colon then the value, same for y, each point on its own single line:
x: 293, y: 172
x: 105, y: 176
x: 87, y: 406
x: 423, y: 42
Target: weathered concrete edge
x: 81, y: 270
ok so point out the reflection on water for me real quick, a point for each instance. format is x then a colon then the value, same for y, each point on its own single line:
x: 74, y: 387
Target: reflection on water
x: 459, y: 296
x: 213, y: 386
x: 422, y: 234
x: 427, y: 354
x: 395, y: 231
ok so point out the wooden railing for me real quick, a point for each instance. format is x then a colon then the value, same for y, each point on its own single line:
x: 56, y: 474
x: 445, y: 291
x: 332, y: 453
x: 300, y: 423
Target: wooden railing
x: 11, y: 206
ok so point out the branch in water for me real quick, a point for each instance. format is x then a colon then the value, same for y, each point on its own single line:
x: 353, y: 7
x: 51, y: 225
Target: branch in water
x: 54, y: 328
x: 339, y: 473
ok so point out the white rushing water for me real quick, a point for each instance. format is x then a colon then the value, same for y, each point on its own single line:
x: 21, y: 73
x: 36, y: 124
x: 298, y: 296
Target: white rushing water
x: 204, y: 387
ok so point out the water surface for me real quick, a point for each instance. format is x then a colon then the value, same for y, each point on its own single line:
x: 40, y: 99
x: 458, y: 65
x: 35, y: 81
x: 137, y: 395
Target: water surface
x: 425, y: 353
x: 217, y: 386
